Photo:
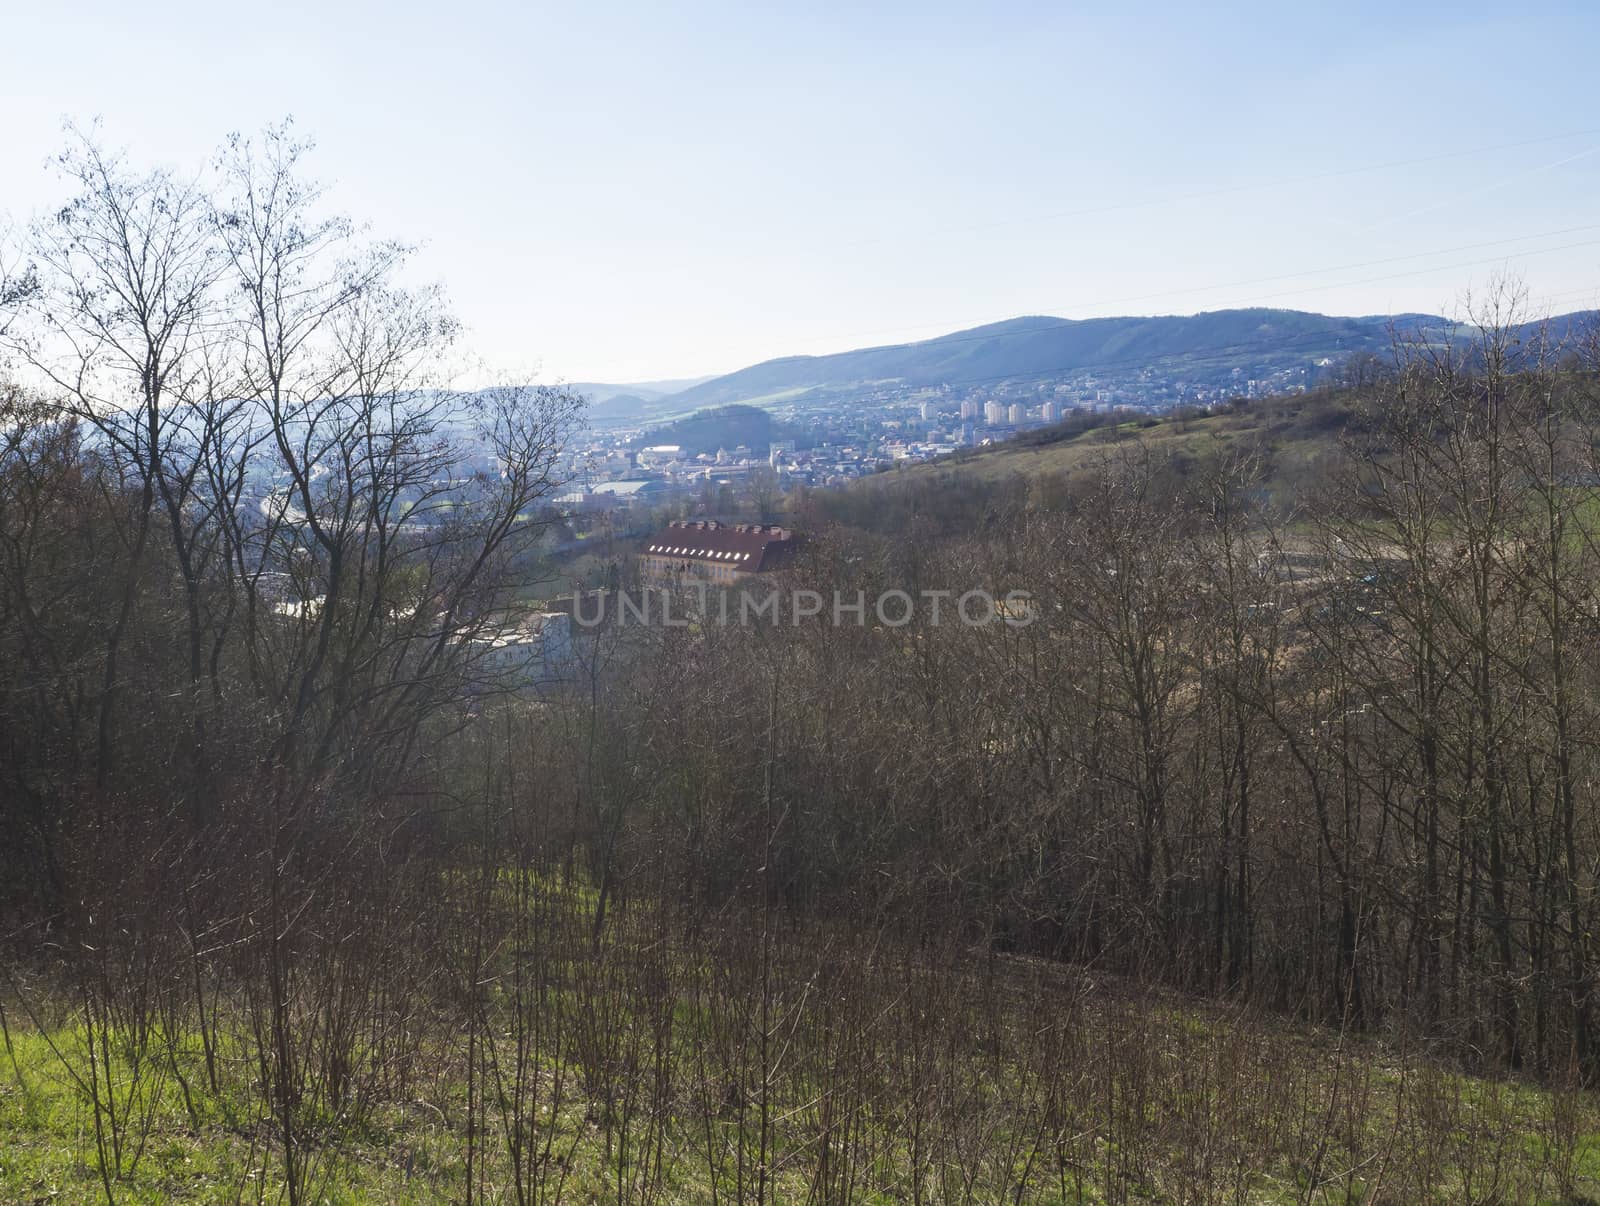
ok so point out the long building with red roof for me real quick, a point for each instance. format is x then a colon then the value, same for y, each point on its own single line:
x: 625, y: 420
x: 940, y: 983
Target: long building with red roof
x: 707, y: 550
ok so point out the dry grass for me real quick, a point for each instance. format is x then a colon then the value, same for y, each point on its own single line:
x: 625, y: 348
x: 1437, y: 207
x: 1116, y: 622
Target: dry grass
x: 729, y: 1061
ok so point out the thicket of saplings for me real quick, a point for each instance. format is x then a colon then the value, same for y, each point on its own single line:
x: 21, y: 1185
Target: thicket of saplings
x: 1340, y: 756
x: 292, y: 867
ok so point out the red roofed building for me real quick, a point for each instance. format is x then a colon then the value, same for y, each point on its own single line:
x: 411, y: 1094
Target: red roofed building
x: 706, y: 550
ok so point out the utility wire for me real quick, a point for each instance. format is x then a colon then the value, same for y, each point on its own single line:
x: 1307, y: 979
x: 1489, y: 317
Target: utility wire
x: 979, y: 336
x: 1232, y: 189
x: 957, y: 336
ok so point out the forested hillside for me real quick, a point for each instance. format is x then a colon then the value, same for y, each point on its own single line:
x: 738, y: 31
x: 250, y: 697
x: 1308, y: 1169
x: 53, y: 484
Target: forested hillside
x: 1250, y: 850
x: 1217, y: 346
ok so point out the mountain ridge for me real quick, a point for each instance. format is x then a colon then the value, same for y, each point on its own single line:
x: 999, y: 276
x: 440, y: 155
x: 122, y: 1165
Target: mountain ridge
x: 1210, y: 344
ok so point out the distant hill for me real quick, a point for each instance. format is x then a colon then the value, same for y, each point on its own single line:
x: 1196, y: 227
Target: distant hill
x: 1040, y: 345
x: 598, y: 391
x: 1206, y: 346
x: 723, y: 427
x: 612, y: 401
x: 1294, y: 441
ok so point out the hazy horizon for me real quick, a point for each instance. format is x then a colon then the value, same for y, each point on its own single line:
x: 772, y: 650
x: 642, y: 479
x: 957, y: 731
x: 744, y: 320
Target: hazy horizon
x: 636, y: 195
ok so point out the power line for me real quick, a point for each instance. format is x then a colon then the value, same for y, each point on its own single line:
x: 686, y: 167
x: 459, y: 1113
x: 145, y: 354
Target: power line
x: 1492, y: 186
x: 1200, y: 289
x: 1221, y: 352
x: 1212, y: 288
x: 1226, y: 351
x: 1233, y: 189
x: 1245, y: 303
x: 1393, y: 276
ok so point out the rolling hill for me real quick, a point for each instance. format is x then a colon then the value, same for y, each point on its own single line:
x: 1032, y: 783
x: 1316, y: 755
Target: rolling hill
x: 1022, y: 347
x: 628, y: 400
x: 722, y: 427
x: 1202, y: 347
x: 1295, y: 443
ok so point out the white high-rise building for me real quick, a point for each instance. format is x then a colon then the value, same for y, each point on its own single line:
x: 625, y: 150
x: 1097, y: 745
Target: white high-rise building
x: 1051, y: 412
x: 970, y: 409
x: 994, y: 414
x: 1017, y: 414
x: 929, y: 411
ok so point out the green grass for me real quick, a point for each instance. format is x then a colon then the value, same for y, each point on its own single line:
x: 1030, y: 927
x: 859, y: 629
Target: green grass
x: 416, y: 1151
x: 1294, y: 432
x: 1153, y: 1097
x: 402, y: 1153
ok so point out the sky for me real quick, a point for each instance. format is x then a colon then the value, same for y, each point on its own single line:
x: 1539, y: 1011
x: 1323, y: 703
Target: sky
x: 621, y: 191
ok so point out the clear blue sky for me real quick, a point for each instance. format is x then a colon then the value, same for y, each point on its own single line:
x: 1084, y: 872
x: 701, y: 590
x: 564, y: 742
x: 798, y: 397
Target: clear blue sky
x: 621, y: 191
